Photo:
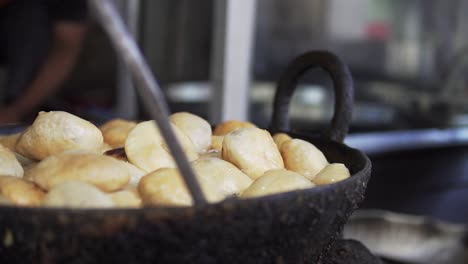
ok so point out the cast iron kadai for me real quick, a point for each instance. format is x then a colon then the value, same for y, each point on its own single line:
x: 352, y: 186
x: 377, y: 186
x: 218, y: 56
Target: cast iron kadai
x: 292, y: 227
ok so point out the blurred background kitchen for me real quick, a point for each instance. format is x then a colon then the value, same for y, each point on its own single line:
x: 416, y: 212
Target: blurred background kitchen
x: 408, y: 59
x: 221, y: 59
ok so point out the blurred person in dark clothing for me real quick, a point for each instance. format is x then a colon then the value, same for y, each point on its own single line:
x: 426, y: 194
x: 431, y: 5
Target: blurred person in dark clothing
x: 40, y: 41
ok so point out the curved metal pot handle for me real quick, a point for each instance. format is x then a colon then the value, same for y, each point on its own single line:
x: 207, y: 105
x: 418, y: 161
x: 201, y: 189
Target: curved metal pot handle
x: 342, y: 83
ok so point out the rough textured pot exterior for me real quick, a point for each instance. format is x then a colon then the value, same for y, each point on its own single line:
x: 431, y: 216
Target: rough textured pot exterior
x: 293, y: 227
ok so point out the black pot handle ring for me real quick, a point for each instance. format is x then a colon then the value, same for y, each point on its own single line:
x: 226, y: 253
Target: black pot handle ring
x: 342, y: 83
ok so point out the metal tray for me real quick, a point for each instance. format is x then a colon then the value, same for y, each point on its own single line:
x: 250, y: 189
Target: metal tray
x: 409, y: 238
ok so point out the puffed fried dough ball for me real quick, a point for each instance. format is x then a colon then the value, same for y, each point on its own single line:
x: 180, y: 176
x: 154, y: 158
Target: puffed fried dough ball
x: 55, y: 132
x: 9, y: 165
x: 332, y: 173
x: 280, y: 138
x: 115, y: 131
x: 303, y: 157
x: 276, y: 181
x: 135, y: 173
x: 252, y: 150
x: 10, y: 141
x: 219, y: 178
x: 106, y: 173
x: 77, y: 194
x: 147, y: 149
x: 20, y: 192
x: 216, y: 143
x: 126, y: 198
x: 230, y: 126
x: 164, y: 187
x: 197, y: 129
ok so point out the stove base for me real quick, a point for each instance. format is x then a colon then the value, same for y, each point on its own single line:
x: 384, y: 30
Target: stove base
x: 348, y: 251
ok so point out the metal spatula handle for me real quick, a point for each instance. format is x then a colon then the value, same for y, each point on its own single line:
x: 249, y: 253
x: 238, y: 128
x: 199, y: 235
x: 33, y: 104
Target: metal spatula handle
x: 147, y: 86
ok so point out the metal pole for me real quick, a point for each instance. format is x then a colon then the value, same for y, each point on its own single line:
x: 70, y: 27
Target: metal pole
x: 231, y: 63
x: 126, y: 100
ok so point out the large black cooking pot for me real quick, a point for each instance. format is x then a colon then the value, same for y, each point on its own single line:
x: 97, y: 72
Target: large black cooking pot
x: 293, y: 227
